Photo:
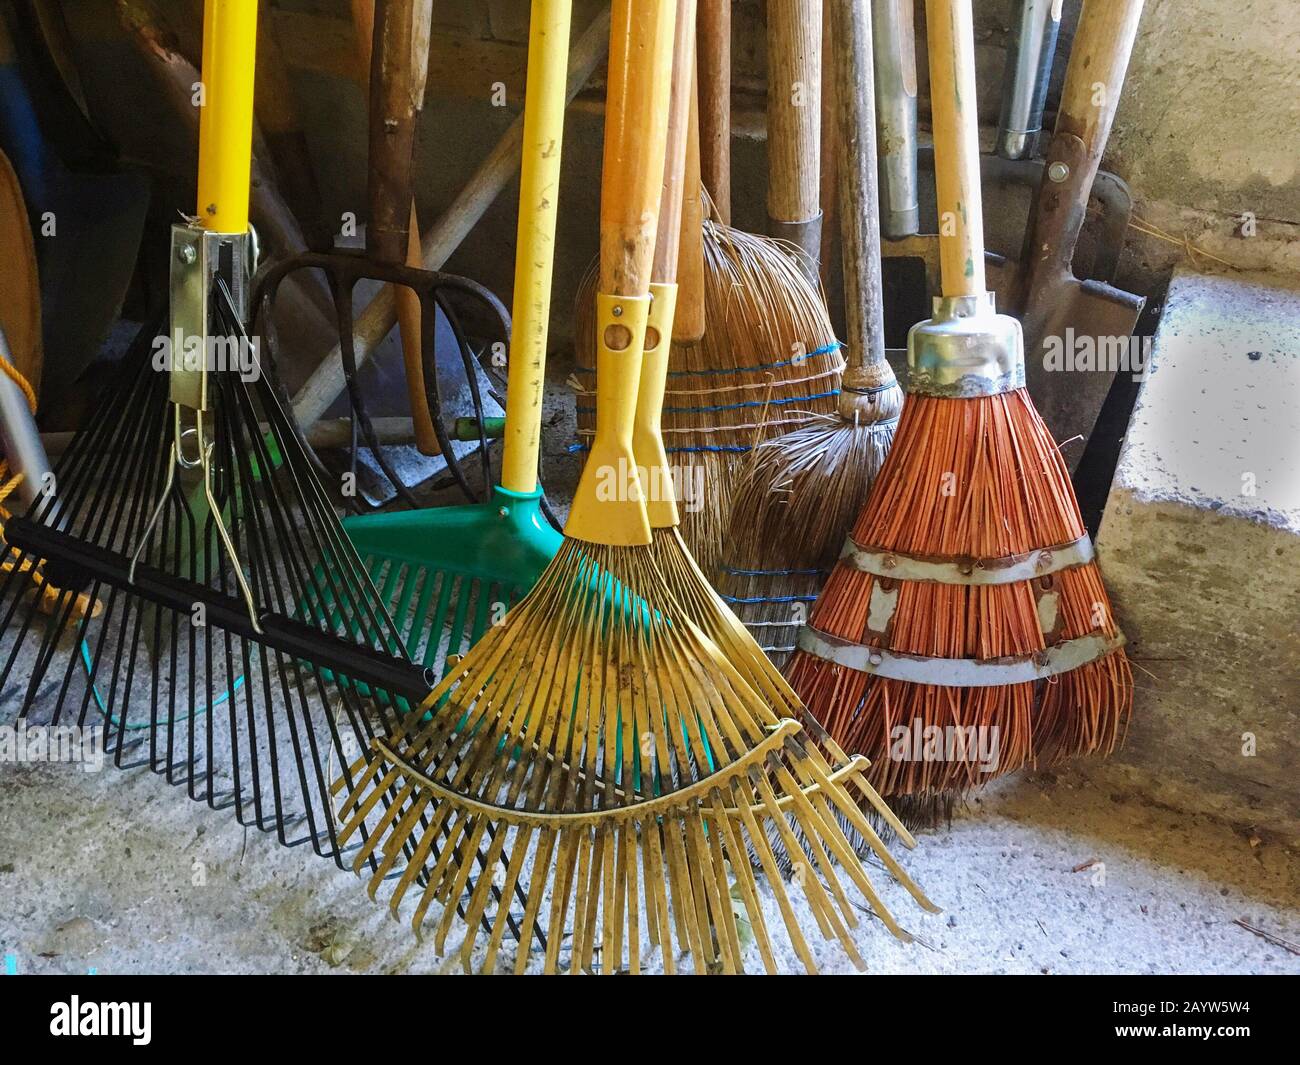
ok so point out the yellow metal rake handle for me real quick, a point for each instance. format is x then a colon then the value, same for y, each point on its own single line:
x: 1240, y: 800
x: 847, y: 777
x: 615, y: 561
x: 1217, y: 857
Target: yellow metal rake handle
x: 226, y: 114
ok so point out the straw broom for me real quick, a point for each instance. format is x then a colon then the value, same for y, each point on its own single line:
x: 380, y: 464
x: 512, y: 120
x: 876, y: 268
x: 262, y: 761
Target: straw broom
x: 815, y: 481
x: 598, y: 733
x: 763, y: 361
x: 967, y: 597
x: 799, y: 493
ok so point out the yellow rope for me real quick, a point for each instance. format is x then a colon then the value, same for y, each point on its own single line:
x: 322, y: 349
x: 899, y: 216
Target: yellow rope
x: 1184, y: 242
x: 20, y: 381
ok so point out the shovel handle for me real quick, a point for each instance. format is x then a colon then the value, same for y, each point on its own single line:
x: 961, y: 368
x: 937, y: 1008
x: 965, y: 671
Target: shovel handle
x: 398, y: 71
x: 956, y: 147
x: 714, y: 44
x: 794, y: 29
x: 1094, y: 81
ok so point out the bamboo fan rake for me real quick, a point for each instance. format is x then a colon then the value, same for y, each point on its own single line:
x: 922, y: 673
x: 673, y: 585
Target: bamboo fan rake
x: 209, y: 614
x: 624, y: 765
x: 967, y: 597
x: 754, y: 353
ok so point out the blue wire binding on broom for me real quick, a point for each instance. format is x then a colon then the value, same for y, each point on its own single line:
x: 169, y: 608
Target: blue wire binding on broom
x: 825, y: 349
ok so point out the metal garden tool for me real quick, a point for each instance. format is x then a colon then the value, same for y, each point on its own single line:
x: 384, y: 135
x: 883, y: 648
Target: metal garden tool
x: 238, y: 637
x: 447, y: 573
x: 1077, y: 332
x: 397, y: 95
x: 614, y: 755
x: 1027, y: 77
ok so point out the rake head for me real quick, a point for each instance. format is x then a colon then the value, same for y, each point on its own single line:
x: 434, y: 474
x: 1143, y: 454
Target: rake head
x: 623, y: 770
x: 227, y: 637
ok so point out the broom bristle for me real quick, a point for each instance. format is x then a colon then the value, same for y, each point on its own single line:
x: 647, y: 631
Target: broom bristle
x: 626, y: 768
x: 967, y: 479
x: 791, y: 509
x: 768, y: 364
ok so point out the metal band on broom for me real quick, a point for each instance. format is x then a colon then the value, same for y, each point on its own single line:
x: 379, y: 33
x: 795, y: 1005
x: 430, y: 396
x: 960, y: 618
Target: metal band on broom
x: 966, y: 597
x: 597, y: 740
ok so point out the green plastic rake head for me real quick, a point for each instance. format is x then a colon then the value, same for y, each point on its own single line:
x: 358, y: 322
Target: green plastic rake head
x: 447, y: 573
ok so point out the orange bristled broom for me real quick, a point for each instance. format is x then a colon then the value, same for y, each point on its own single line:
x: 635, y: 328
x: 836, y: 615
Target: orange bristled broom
x: 964, y: 631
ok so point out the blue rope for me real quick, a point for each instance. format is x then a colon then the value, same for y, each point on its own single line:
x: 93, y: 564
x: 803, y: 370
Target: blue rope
x: 738, y: 406
x: 776, y: 572
x: 730, y: 449
x: 826, y: 349
x: 770, y: 599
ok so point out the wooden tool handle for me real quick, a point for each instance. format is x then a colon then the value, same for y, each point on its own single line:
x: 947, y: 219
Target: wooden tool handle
x: 671, y: 207
x: 398, y: 70
x: 1093, y: 84
x: 714, y: 48
x: 636, y: 109
x: 956, y: 146
x: 688, y: 323
x: 1095, y: 77
x: 859, y: 192
x: 793, y: 109
x: 647, y: 435
x: 636, y: 117
x: 408, y: 303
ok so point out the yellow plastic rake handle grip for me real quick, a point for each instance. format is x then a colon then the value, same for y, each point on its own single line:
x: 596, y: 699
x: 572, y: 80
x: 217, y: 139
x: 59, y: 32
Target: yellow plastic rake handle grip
x: 609, y: 507
x: 539, y: 197
x: 226, y: 114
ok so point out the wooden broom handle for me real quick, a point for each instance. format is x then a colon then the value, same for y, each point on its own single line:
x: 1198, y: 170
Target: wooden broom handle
x: 408, y: 303
x: 398, y: 71
x: 794, y: 30
x: 688, y: 323
x: 859, y: 188
x: 956, y: 146
x: 636, y: 108
x: 1095, y: 76
x: 714, y: 50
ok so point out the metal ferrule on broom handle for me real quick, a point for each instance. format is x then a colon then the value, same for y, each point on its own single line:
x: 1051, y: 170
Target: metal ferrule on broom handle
x: 966, y: 349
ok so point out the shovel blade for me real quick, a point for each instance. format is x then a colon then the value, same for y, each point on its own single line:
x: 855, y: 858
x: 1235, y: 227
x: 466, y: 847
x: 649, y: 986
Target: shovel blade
x: 1078, y: 336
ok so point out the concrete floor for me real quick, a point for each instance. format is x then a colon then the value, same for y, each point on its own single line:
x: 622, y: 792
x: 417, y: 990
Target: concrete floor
x: 117, y: 872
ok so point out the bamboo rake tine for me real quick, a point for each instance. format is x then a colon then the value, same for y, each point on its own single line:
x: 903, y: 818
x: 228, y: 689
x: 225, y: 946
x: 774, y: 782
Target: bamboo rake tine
x: 362, y: 810
x: 822, y: 907
x: 478, y: 901
x: 518, y: 852
x: 458, y: 887
x: 393, y: 848
x: 439, y: 880
x: 658, y: 926
x: 586, y: 900
x: 700, y: 864
x: 561, y: 884
x: 628, y: 901
x: 881, y: 807
x: 684, y: 902
x: 726, y: 912
x: 615, y: 916
x: 541, y: 875
x: 744, y: 872
x: 762, y: 849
